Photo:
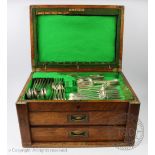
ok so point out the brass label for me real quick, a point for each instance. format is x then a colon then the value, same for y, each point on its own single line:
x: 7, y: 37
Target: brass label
x: 59, y: 12
x: 76, y: 9
x: 51, y: 12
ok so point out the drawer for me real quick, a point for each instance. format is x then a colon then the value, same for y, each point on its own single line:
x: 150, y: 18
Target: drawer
x: 69, y: 134
x: 74, y: 118
x: 74, y: 106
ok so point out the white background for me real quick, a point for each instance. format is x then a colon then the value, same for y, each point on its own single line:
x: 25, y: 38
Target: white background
x: 134, y: 62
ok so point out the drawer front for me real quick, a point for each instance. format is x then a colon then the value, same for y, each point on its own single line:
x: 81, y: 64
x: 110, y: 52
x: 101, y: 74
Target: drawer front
x: 78, y: 106
x: 91, y: 133
x: 74, y: 118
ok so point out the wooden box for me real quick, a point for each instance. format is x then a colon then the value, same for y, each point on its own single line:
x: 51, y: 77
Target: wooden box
x: 77, y: 41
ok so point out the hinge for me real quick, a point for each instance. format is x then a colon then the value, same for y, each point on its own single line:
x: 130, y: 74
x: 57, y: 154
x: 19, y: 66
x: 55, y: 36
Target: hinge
x: 36, y: 70
x: 33, y: 69
x: 116, y: 69
x: 120, y: 65
x: 45, y: 66
x: 78, y: 67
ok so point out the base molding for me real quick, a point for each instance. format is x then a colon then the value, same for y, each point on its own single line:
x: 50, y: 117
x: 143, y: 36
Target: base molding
x: 77, y: 144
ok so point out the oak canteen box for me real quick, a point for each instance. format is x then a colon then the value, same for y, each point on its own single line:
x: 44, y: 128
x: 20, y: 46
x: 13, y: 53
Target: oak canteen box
x: 77, y: 95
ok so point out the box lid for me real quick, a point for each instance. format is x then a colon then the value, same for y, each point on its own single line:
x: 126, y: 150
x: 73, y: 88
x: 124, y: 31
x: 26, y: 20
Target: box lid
x: 76, y: 37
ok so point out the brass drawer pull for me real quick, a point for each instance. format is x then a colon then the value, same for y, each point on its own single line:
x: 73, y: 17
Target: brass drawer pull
x: 75, y: 118
x: 78, y: 133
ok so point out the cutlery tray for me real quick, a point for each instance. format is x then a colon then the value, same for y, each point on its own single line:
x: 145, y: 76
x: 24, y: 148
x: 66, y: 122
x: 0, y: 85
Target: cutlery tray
x: 60, y: 86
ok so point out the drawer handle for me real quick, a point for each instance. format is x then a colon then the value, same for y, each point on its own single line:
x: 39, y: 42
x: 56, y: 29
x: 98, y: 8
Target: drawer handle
x: 78, y: 118
x: 78, y: 133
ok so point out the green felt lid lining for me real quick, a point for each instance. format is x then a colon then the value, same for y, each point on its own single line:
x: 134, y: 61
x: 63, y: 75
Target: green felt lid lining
x: 87, y: 38
x: 64, y: 38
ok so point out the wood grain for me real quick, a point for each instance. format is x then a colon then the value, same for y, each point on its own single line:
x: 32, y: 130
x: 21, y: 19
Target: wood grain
x: 78, y: 106
x: 79, y: 144
x: 132, y: 119
x: 24, y: 124
x: 99, y: 133
x: 78, y: 118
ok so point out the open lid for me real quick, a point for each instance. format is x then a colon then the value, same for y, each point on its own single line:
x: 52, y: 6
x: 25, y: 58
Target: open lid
x: 76, y: 36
